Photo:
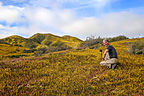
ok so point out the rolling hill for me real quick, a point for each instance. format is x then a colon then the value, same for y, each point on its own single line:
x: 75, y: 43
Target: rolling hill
x: 16, y: 40
x: 42, y: 40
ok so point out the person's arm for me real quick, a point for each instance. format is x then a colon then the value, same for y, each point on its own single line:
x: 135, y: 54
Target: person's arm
x: 104, y: 54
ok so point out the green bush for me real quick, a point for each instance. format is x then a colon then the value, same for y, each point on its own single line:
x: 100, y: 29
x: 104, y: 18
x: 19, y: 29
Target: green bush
x: 39, y: 38
x: 91, y: 42
x: 137, y: 47
x: 40, y: 51
x: 58, y: 44
x: 16, y: 56
x: 118, y: 38
x: 29, y: 51
x: 30, y: 45
x: 48, y: 43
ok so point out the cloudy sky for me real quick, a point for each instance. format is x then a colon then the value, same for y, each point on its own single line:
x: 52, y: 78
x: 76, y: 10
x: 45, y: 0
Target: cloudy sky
x: 79, y: 18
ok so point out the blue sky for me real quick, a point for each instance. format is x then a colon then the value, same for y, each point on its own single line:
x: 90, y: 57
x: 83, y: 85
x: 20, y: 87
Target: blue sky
x: 79, y: 18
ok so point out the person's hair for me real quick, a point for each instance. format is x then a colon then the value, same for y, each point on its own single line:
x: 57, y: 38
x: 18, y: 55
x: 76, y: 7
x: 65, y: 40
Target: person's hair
x: 105, y: 40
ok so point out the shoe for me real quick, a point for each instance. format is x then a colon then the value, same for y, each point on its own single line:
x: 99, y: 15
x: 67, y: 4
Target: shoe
x: 113, y: 66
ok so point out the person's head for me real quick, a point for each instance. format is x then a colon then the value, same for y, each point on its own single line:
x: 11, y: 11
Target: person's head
x: 105, y: 42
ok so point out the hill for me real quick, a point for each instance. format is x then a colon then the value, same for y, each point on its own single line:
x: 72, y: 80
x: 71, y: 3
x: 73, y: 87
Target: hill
x: 57, y: 41
x: 42, y: 40
x: 16, y: 40
x: 69, y: 73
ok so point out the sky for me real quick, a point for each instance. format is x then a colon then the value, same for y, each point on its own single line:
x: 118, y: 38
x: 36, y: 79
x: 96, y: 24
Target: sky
x: 78, y: 18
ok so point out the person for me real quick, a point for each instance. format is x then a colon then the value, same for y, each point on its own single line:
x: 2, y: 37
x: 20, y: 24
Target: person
x: 109, y: 57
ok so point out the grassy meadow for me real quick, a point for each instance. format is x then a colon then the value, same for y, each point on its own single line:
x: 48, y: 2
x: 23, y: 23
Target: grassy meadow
x: 71, y: 72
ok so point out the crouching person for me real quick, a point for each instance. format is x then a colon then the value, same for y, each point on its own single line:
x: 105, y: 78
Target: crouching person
x: 109, y: 57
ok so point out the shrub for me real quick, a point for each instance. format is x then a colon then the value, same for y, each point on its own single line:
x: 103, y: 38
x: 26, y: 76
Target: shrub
x: 96, y: 46
x: 118, y: 38
x: 58, y: 44
x: 48, y: 43
x: 17, y: 45
x: 30, y: 45
x: 16, y: 56
x: 39, y: 38
x: 40, y: 51
x: 3, y: 42
x: 137, y: 47
x: 29, y: 51
x: 91, y: 42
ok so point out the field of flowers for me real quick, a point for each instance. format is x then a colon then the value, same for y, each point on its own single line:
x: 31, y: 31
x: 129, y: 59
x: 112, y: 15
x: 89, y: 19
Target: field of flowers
x: 69, y: 73
x: 9, y: 50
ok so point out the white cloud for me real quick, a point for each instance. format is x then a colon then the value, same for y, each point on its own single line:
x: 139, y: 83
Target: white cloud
x: 2, y: 36
x: 9, y: 14
x: 1, y: 26
x: 42, y: 19
x: 6, y: 31
x: 109, y: 25
x: 0, y: 4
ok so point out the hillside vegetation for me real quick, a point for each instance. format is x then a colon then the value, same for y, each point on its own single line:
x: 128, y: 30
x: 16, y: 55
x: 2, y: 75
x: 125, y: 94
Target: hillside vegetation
x: 42, y: 41
x: 75, y: 72
x: 12, y: 51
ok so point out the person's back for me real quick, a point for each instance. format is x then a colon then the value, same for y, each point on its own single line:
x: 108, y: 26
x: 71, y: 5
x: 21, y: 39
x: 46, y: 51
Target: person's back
x: 112, y: 51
